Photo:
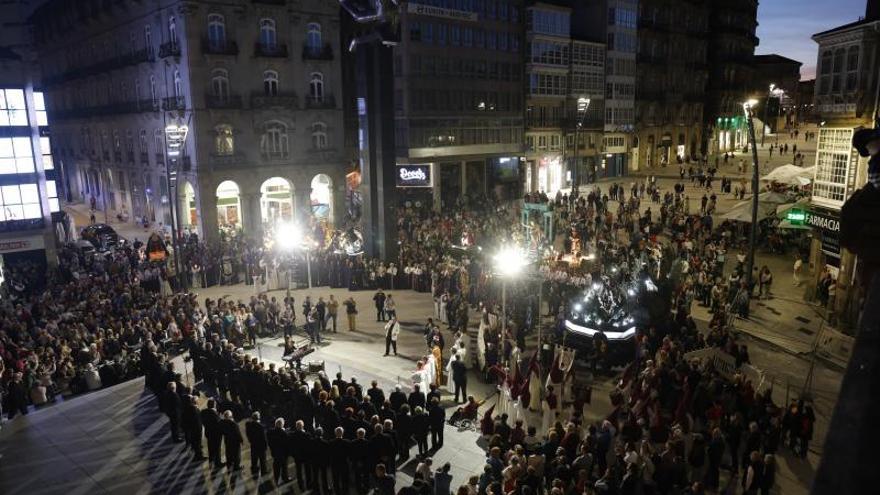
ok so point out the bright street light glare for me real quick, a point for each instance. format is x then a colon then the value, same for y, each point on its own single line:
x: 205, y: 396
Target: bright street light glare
x: 509, y: 261
x: 288, y: 235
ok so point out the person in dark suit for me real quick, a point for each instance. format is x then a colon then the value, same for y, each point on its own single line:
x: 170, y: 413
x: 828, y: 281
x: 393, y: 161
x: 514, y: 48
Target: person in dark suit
x: 376, y: 394
x: 171, y: 406
x: 403, y: 428
x: 437, y: 419
x: 397, y: 398
x: 16, y: 399
x: 339, y: 454
x: 299, y: 447
x: 360, y: 464
x: 192, y: 426
x: 256, y: 435
x: 319, y: 452
x: 459, y: 378
x: 416, y: 398
x: 277, y: 439
x: 420, y: 427
x: 211, y: 421
x: 232, y: 441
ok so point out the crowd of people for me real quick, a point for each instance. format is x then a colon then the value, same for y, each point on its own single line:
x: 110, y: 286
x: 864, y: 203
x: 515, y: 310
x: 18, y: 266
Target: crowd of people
x: 677, y: 421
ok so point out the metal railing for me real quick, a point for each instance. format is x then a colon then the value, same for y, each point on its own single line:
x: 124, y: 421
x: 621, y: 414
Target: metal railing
x: 223, y: 101
x: 274, y: 51
x: 317, y: 52
x: 169, y: 49
x: 219, y: 47
x: 326, y: 101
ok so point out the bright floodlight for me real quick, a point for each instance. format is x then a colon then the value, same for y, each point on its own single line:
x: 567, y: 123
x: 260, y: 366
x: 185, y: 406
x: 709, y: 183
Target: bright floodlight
x: 288, y: 235
x: 509, y: 261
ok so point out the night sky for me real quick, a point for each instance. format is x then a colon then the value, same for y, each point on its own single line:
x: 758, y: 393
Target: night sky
x: 785, y: 26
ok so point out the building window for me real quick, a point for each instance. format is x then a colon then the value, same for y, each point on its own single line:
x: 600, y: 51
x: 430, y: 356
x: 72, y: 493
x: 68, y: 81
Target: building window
x: 137, y: 90
x: 159, y: 141
x: 20, y: 202
x: 216, y: 31
x: 224, y: 142
x: 220, y: 84
x: 132, y: 42
x: 172, y: 30
x: 273, y: 143
x: 16, y: 155
x: 40, y: 108
x: 52, y: 196
x: 153, y: 96
x: 46, y: 153
x: 834, y: 159
x: 178, y: 89
x: 313, y: 36
x: 12, y: 107
x: 142, y: 143
x: 148, y: 39
x: 267, y: 33
x: 319, y: 135
x: 117, y: 141
x: 270, y: 83
x: 316, y: 87
x: 852, y: 68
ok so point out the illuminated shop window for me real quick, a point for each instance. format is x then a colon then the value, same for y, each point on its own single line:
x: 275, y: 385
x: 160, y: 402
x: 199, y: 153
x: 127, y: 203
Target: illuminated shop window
x: 46, y: 152
x: 52, y: 194
x: 16, y: 155
x: 40, y: 108
x: 12, y: 107
x: 20, y: 202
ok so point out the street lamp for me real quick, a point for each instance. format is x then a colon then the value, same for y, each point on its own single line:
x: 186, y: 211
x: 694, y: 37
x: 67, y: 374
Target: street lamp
x: 748, y: 107
x: 289, y: 237
x: 509, y: 262
x: 583, y: 104
x: 175, y: 137
x: 766, y: 105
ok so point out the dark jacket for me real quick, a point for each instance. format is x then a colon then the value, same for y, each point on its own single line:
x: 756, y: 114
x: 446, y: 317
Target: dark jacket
x: 232, y: 438
x: 277, y: 440
x: 211, y: 422
x: 256, y: 435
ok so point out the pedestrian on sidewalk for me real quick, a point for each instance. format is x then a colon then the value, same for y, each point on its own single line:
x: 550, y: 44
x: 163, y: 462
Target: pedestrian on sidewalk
x: 765, y: 281
x: 332, y: 310
x: 351, y: 312
x: 379, y: 300
x: 796, y: 271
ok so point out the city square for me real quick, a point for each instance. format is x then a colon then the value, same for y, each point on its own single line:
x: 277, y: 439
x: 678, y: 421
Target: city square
x: 482, y: 247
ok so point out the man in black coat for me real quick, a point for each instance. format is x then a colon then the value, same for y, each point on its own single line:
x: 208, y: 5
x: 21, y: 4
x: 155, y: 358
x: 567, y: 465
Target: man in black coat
x: 211, y: 421
x: 437, y: 417
x: 320, y: 454
x: 256, y: 435
x: 376, y: 394
x: 192, y: 426
x: 277, y: 440
x: 17, y: 400
x: 172, y: 408
x: 232, y: 441
x: 299, y: 447
x: 361, y: 465
x: 459, y: 378
x: 397, y: 398
x: 381, y: 448
x: 339, y: 454
x: 416, y: 398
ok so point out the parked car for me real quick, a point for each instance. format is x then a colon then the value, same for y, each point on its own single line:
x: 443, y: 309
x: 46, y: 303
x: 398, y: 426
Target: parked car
x: 101, y: 236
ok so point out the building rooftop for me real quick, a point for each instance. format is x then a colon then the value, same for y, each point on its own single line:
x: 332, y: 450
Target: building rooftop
x: 773, y: 58
x: 839, y: 29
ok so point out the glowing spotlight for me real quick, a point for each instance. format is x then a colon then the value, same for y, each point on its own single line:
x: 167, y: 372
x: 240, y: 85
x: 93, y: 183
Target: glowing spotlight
x: 578, y: 307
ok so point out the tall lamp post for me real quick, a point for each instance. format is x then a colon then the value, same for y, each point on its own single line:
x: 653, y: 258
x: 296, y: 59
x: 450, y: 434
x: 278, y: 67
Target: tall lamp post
x: 175, y: 136
x: 583, y: 104
x: 509, y: 262
x: 748, y: 106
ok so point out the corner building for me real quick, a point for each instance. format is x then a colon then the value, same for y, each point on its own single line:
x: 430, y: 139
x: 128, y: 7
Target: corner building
x: 671, y: 77
x: 458, y: 98
x: 256, y: 82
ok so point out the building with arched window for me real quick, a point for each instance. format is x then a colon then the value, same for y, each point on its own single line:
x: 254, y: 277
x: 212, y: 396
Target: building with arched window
x: 257, y: 84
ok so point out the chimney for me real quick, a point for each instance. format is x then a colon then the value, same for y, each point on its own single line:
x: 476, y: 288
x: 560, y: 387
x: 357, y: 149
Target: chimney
x: 872, y: 11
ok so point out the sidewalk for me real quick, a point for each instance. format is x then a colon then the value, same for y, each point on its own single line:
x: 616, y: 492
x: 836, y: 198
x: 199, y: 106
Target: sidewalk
x: 130, y: 230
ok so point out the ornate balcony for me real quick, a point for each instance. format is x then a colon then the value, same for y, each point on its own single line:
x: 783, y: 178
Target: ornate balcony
x: 219, y: 47
x: 280, y: 100
x: 174, y: 103
x: 318, y: 52
x: 223, y: 101
x: 326, y: 101
x: 169, y: 49
x: 273, y: 51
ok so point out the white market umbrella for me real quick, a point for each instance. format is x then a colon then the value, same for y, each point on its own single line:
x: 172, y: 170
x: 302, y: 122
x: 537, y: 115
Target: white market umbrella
x: 742, y: 211
x: 791, y: 175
